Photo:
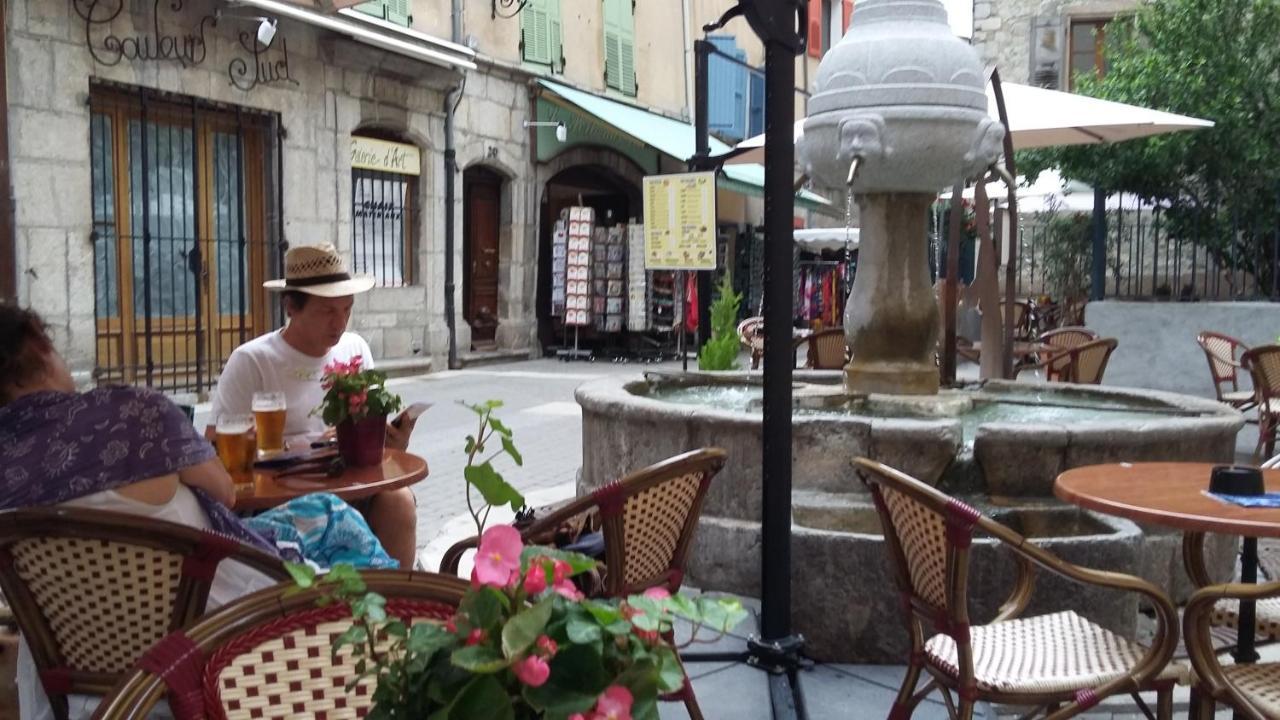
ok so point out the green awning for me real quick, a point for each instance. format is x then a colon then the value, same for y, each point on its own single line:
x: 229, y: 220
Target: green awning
x: 673, y: 138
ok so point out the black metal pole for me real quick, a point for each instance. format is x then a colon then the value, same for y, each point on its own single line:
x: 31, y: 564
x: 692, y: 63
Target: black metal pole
x: 450, y: 170
x: 779, y: 203
x: 1097, y: 289
x: 701, y: 52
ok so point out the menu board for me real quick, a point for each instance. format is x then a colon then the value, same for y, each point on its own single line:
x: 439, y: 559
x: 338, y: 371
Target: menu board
x: 680, y: 221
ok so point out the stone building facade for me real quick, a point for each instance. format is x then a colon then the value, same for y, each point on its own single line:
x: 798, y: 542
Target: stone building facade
x: 1031, y: 41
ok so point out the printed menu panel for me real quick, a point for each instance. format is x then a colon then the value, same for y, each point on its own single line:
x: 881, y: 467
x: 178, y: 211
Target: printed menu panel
x: 680, y: 221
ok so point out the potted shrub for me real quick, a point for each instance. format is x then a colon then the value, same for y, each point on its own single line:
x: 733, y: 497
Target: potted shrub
x: 356, y: 404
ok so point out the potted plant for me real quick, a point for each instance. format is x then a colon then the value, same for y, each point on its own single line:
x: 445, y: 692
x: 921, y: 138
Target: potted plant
x: 356, y: 404
x: 524, y: 643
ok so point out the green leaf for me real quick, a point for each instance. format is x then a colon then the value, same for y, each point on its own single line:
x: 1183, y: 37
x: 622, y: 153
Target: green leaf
x: 498, y: 427
x: 471, y: 444
x: 304, y: 576
x: 371, y: 606
x: 484, y: 607
x: 478, y: 659
x: 618, y: 628
x: 604, y: 613
x: 582, y: 632
x: 670, y: 673
x: 395, y: 629
x: 510, y: 448
x: 355, y: 636
x: 495, y: 490
x: 522, y: 630
x: 578, y: 563
x: 483, y: 699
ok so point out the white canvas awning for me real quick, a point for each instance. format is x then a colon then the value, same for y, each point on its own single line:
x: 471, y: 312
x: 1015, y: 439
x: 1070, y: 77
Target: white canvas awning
x: 835, y: 238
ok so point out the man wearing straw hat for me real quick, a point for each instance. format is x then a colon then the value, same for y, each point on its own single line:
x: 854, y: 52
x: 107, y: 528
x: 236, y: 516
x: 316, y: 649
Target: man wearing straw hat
x: 317, y: 293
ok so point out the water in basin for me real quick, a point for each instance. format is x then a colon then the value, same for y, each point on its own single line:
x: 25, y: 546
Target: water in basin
x: 1031, y: 408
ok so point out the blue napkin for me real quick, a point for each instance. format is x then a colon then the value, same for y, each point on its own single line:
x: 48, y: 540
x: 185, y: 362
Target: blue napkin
x: 1266, y: 500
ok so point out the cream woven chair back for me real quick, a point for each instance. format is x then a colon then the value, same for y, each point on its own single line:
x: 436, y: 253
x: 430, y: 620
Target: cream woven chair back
x: 1068, y: 337
x: 921, y: 533
x: 1091, y: 361
x: 1222, y: 353
x: 829, y: 349
x: 93, y: 590
x: 649, y: 519
x: 269, y: 655
x: 1264, y: 363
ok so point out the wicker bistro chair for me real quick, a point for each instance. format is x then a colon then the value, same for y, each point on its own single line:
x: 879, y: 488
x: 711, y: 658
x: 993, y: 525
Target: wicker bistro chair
x: 1263, y: 364
x: 1252, y: 690
x: 751, y: 335
x: 92, y: 590
x: 1044, y: 660
x: 1084, y: 364
x: 648, y: 519
x: 1226, y: 612
x: 826, y: 349
x: 268, y: 655
x: 1223, y: 354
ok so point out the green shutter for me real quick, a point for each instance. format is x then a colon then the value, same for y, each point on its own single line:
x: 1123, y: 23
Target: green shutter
x: 398, y: 11
x: 376, y: 8
x: 554, y: 49
x: 534, y: 32
x: 619, y: 46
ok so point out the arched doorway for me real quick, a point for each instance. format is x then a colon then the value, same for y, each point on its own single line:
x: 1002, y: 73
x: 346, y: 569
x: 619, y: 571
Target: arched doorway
x: 614, y: 200
x: 481, y: 227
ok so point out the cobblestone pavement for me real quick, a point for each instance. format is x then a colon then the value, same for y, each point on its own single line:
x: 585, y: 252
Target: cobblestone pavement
x: 538, y: 407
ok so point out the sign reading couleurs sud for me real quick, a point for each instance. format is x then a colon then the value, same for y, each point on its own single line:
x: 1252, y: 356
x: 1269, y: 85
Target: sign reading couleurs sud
x: 393, y: 157
x: 180, y: 38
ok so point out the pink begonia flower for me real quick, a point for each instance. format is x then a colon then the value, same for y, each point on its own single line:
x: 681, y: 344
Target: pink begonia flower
x: 532, y: 671
x: 657, y: 593
x: 475, y: 637
x: 356, y: 362
x: 547, y: 646
x: 536, y: 581
x: 568, y: 590
x: 577, y: 716
x: 614, y: 704
x: 498, y: 556
x: 560, y: 571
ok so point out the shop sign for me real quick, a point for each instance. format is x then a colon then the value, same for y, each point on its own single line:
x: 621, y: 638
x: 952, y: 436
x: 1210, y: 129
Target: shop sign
x: 371, y: 154
x: 680, y: 221
x: 189, y: 48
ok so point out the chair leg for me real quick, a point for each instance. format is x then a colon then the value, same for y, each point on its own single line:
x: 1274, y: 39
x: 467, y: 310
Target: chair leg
x: 1164, y: 703
x: 966, y: 710
x: 905, y: 704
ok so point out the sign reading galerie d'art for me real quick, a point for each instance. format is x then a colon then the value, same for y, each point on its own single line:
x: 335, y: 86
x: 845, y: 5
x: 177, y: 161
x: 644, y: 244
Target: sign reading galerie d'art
x: 188, y: 46
x: 393, y: 157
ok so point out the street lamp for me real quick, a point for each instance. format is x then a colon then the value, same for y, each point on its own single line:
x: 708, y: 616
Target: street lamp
x: 562, y: 133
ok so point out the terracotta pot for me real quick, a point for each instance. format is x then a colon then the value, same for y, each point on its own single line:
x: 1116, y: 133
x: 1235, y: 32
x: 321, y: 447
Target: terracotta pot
x: 360, y: 442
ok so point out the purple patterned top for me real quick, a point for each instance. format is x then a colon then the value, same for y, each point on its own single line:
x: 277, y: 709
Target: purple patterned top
x: 57, y: 446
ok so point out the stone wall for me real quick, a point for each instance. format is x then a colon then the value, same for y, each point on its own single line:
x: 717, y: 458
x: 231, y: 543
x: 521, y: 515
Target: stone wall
x: 1158, y: 347
x: 1007, y: 33
x: 341, y: 86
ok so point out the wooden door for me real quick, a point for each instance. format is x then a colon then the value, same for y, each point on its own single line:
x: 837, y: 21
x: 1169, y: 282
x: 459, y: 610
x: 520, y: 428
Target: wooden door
x: 483, y: 191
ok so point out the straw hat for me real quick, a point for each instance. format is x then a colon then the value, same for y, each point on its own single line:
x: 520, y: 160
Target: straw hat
x: 318, y: 270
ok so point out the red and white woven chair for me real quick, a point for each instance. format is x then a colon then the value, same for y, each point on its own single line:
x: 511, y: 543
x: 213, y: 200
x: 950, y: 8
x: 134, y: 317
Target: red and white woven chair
x: 1060, y: 662
x: 92, y: 590
x: 648, y: 519
x: 1251, y: 689
x: 270, y: 655
x: 1223, y: 353
x: 1263, y: 364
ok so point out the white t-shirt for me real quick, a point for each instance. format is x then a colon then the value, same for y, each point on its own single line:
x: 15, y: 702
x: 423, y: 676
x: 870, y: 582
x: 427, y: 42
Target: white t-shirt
x: 269, y: 364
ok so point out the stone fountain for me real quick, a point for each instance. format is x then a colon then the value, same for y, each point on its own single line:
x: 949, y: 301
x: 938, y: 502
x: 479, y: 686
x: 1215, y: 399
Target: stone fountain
x: 900, y: 113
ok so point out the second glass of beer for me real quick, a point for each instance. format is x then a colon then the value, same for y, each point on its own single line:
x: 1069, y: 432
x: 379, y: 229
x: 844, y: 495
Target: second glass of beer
x: 235, y: 446
x: 268, y: 419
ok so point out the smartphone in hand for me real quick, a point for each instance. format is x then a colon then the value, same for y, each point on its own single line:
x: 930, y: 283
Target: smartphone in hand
x: 412, y: 412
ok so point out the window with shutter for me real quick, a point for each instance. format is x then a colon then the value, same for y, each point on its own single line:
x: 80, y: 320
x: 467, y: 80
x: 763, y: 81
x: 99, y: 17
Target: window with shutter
x: 619, y: 46
x: 554, y: 48
x: 535, y: 33
x: 755, y: 104
x: 816, y: 20
x: 727, y: 89
x: 399, y: 12
x: 376, y: 8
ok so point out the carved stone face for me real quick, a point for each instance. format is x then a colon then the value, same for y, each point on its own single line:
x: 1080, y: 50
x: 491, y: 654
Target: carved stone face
x: 905, y: 96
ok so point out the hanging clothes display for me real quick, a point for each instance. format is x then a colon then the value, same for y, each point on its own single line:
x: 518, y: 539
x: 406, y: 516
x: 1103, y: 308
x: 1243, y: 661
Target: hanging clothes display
x: 819, y: 292
x: 691, y: 302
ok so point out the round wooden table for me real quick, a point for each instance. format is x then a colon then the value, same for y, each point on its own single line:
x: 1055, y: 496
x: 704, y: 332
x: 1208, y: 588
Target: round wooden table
x: 1176, y: 495
x: 398, y: 469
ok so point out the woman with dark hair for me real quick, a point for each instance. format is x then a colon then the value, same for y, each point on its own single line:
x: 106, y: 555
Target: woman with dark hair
x: 133, y: 450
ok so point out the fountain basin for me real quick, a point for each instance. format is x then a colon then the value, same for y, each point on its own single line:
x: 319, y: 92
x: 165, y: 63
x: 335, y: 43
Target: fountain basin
x: 999, y: 445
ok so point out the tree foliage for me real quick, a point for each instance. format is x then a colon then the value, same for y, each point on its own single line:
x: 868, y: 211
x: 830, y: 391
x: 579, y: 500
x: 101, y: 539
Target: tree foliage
x: 721, y: 351
x: 1213, y: 59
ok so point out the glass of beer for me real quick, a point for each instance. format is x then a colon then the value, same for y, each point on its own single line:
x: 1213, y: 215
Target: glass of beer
x: 268, y: 417
x: 235, y: 446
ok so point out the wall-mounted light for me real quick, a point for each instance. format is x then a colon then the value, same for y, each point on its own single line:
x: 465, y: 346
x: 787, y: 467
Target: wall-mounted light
x: 502, y: 9
x: 266, y: 25
x: 562, y: 133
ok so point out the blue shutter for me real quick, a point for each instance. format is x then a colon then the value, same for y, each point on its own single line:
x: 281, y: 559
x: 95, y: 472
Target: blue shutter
x: 726, y: 90
x: 755, y: 115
